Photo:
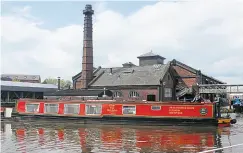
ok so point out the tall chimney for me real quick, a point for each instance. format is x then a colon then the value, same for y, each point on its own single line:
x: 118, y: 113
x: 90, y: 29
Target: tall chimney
x: 87, y: 63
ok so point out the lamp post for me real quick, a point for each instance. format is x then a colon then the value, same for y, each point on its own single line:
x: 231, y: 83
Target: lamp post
x: 58, y: 83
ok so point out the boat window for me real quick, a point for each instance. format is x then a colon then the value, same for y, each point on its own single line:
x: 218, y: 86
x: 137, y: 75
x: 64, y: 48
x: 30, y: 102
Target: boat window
x: 31, y: 108
x: 71, y: 108
x: 51, y: 108
x: 93, y: 109
x: 129, y: 109
x: 156, y: 107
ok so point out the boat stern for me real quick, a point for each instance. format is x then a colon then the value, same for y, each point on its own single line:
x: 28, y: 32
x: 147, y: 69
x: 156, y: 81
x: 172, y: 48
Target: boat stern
x: 226, y: 121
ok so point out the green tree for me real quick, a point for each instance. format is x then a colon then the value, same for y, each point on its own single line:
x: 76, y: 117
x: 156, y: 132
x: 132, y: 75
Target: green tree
x: 64, y: 84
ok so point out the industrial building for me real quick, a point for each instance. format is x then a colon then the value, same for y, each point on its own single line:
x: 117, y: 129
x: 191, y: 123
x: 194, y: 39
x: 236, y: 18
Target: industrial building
x: 21, y: 78
x: 152, y: 79
x: 11, y: 91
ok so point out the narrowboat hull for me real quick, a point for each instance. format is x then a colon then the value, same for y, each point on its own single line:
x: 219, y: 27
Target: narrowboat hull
x: 122, y: 120
x: 120, y: 112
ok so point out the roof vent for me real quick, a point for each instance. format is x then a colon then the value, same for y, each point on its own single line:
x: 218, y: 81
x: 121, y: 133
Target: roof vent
x: 129, y: 71
x: 128, y: 65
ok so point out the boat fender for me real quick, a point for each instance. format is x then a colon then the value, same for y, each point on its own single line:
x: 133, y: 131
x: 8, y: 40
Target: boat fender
x: 233, y: 121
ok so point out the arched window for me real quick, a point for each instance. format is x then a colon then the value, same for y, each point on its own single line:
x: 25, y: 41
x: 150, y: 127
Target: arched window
x: 117, y: 94
x: 133, y: 94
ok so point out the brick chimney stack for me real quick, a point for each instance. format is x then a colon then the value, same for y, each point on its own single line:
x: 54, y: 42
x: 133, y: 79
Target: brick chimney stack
x: 87, y: 62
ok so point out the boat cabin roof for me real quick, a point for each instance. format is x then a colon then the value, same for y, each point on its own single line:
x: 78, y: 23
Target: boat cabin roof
x: 114, y: 102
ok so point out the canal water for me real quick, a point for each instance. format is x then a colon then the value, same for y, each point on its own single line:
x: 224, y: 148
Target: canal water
x: 28, y: 136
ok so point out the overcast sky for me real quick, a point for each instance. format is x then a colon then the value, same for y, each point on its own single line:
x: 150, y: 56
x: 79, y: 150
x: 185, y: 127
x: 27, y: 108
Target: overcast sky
x: 45, y: 38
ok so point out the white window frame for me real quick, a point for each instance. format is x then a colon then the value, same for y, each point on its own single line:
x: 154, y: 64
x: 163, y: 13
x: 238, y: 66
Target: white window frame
x: 129, y: 106
x: 66, y: 105
x: 133, y: 94
x: 117, y: 94
x: 155, y: 107
x: 167, y: 92
x: 51, y: 112
x: 37, y: 111
x: 95, y: 106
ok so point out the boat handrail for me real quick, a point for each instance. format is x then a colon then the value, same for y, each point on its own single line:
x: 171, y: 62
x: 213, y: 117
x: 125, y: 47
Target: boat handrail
x: 241, y: 144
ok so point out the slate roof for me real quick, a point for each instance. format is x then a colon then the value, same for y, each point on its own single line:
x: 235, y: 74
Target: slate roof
x: 20, y: 77
x: 80, y: 73
x: 150, y: 54
x: 138, y: 75
x: 79, y: 92
x: 26, y: 86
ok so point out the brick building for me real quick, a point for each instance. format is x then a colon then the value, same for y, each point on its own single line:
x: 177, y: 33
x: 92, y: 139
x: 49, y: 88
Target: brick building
x: 151, y: 80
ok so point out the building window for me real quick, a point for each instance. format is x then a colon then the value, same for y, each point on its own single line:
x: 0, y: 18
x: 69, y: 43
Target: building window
x: 71, y: 108
x: 129, y: 110
x: 117, y: 94
x: 168, y: 92
x: 93, y: 109
x: 31, y: 108
x: 156, y: 107
x: 51, y: 108
x: 151, y: 98
x: 133, y: 94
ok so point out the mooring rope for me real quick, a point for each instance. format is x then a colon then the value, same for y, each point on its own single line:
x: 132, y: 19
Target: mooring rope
x: 221, y: 148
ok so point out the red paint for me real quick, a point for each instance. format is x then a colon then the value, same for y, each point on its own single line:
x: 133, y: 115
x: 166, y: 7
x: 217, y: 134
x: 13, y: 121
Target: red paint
x: 2, y: 109
x: 61, y: 108
x: 20, y: 132
x: 41, y: 139
x: 111, y: 109
x: 82, y: 109
x: 173, y: 140
x: 175, y: 111
x: 21, y: 106
x: 41, y: 131
x: 111, y: 135
x: 60, y: 134
x: 82, y: 135
x: 41, y: 108
x: 143, y: 139
x: 183, y: 139
x: 224, y: 125
x: 170, y: 109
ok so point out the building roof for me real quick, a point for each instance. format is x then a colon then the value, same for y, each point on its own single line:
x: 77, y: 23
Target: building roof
x: 26, y: 86
x: 150, y: 54
x: 184, y: 71
x: 80, y: 92
x: 138, y: 75
x: 20, y: 77
x: 80, y: 73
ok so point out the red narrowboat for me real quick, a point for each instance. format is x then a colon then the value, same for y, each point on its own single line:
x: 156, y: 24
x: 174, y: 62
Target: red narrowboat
x: 112, y: 110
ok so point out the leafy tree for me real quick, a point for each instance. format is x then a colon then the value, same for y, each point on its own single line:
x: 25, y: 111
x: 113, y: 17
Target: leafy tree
x: 64, y: 84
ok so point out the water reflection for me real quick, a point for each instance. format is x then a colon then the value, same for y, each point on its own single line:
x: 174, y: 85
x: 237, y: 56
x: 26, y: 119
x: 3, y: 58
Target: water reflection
x: 72, y: 137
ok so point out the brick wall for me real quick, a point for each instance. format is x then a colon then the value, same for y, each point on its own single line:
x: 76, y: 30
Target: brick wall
x: 142, y: 94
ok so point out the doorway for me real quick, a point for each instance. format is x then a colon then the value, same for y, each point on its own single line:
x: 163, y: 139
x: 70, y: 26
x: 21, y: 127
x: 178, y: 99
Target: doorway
x: 151, y: 98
